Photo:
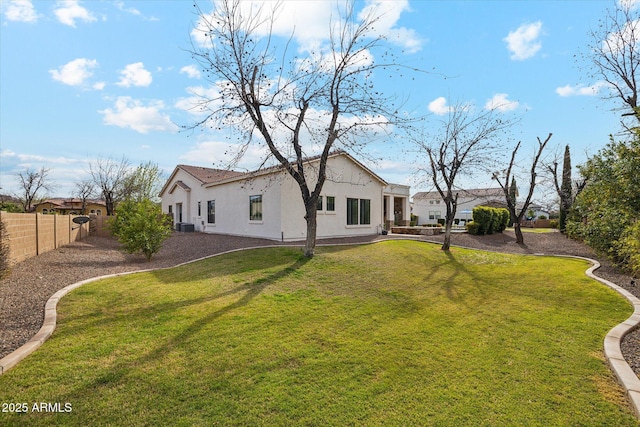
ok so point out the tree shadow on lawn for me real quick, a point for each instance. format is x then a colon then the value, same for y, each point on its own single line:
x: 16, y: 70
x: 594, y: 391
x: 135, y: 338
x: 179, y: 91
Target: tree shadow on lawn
x: 122, y: 368
x: 450, y: 284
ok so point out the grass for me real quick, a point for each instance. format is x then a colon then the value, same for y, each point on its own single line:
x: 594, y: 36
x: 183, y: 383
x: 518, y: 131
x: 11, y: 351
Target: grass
x: 396, y: 333
x: 536, y: 230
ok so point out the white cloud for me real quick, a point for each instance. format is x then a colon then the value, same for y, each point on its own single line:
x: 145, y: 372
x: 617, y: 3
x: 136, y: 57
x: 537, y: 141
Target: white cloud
x: 99, y: 85
x: 221, y: 154
x: 74, y: 73
x: 132, y: 10
x: 581, y: 90
x: 20, y: 11
x: 389, y: 13
x: 309, y: 22
x: 439, y: 106
x: 191, y: 71
x: 135, y: 75
x: 131, y: 113
x: 524, y: 43
x: 68, y: 11
x: 501, y: 103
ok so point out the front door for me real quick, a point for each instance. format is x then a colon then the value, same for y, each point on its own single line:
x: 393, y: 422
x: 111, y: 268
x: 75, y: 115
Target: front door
x: 179, y: 212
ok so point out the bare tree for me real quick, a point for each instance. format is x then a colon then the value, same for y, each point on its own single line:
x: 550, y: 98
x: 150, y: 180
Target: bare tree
x: 84, y: 189
x: 508, y: 175
x: 614, y: 52
x: 466, y: 144
x: 32, y: 183
x: 288, y: 101
x: 109, y: 176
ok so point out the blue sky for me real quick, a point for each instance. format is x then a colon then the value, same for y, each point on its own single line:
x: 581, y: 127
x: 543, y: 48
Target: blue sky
x: 81, y: 80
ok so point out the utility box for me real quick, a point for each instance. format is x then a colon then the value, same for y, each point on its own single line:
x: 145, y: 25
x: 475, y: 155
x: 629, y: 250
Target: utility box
x: 185, y: 227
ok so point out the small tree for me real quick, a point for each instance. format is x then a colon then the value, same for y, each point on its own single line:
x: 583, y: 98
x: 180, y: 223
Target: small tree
x: 84, y: 189
x: 140, y: 227
x: 144, y: 182
x: 466, y: 143
x: 508, y: 174
x: 32, y: 183
x: 109, y: 177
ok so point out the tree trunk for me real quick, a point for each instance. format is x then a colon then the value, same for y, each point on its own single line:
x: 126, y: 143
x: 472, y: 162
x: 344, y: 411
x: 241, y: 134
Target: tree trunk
x: 518, y: 230
x: 312, y: 227
x: 447, y: 234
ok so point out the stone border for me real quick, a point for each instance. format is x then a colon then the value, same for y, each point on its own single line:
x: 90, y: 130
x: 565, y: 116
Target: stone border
x: 612, y: 351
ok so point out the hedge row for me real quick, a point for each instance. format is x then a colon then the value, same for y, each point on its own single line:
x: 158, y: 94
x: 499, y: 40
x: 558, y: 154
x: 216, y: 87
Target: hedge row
x: 488, y: 220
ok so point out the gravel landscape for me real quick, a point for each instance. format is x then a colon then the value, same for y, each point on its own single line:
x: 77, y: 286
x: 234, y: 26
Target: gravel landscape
x: 24, y: 292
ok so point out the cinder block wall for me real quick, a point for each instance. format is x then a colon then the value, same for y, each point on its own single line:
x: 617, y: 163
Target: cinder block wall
x: 30, y: 235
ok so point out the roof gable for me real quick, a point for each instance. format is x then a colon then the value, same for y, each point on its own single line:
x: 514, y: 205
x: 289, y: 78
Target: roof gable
x: 473, y: 193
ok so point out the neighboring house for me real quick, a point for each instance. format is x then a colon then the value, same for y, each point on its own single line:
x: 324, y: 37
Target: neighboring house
x: 267, y: 203
x: 71, y: 206
x: 429, y: 206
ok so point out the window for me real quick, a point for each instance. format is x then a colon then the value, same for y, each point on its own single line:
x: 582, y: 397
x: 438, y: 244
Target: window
x: 430, y: 202
x: 365, y: 211
x: 99, y: 212
x: 434, y: 215
x: 170, y: 208
x: 255, y: 208
x: 211, y: 211
x: 331, y: 203
x: 319, y: 203
x: 199, y: 209
x: 352, y: 211
x: 358, y: 211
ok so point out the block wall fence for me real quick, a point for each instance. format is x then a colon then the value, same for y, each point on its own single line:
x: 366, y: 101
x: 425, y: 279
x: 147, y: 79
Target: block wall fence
x: 32, y: 234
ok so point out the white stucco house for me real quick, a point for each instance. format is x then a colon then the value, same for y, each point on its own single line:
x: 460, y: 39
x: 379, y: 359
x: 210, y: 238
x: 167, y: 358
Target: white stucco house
x: 429, y: 207
x: 267, y: 203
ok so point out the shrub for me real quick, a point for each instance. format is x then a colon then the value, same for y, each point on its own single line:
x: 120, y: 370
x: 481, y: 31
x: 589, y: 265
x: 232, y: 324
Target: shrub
x: 4, y: 250
x: 542, y: 217
x: 554, y: 223
x: 441, y: 221
x: 627, y: 248
x: 140, y: 227
x: 482, y: 217
x: 503, y: 221
x: 472, y: 228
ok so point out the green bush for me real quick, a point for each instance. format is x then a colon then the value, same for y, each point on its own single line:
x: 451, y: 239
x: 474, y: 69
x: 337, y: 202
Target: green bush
x: 542, y: 217
x: 140, y: 227
x: 628, y: 248
x: 482, y: 217
x: 554, y: 223
x: 490, y: 220
x: 503, y: 222
x: 472, y: 228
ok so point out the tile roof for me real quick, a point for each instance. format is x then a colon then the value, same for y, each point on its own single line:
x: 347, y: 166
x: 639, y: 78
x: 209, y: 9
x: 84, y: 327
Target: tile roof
x: 477, y: 192
x: 209, y: 175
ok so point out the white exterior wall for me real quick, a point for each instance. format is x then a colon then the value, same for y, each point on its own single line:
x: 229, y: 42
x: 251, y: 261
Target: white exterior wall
x: 180, y: 195
x: 344, y: 180
x: 232, y: 208
x: 282, y: 208
x: 422, y: 207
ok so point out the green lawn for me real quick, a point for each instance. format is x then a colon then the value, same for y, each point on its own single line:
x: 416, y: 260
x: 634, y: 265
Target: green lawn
x: 395, y: 333
x: 536, y: 230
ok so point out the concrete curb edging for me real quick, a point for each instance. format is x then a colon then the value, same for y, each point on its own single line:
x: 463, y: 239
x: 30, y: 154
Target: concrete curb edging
x: 612, y: 351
